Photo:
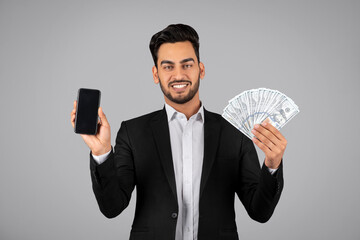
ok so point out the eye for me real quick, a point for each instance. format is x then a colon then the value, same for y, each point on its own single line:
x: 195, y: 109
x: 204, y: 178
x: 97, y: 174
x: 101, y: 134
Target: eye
x: 186, y: 66
x: 168, y: 67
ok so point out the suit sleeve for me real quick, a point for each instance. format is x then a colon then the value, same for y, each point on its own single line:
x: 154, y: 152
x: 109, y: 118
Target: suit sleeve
x: 258, y: 190
x: 114, y: 180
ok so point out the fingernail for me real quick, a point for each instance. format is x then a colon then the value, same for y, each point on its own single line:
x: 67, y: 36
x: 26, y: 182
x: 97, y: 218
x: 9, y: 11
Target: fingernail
x: 256, y: 125
x: 253, y: 131
x: 265, y: 123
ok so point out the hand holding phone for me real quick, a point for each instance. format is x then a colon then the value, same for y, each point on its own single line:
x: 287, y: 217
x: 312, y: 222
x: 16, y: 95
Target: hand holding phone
x: 99, y: 143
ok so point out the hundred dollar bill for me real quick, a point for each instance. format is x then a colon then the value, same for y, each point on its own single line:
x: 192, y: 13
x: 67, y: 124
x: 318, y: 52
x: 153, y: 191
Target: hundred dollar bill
x: 254, y: 106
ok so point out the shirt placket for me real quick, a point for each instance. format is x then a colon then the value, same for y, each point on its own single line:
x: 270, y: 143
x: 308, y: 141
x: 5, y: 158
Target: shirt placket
x: 187, y: 181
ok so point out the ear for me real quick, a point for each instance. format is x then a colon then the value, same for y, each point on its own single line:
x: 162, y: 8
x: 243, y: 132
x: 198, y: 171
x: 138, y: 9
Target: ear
x: 155, y: 74
x: 202, y: 70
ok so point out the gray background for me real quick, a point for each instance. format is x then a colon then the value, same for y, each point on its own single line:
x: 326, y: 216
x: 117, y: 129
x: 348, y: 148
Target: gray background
x: 310, y: 50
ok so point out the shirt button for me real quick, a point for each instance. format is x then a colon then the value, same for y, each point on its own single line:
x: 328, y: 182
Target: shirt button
x: 174, y: 215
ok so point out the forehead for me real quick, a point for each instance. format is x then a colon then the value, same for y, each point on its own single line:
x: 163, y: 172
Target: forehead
x: 176, y: 51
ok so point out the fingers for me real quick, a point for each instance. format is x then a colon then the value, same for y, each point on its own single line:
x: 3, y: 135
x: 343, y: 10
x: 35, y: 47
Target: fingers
x: 73, y: 114
x: 265, y: 136
x: 269, y: 137
x: 266, y: 124
x: 263, y: 142
x: 262, y: 146
x: 271, y: 142
x: 281, y: 142
x: 103, y: 119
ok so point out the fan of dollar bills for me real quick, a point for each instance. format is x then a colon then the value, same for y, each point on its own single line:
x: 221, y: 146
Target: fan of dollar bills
x: 254, y: 106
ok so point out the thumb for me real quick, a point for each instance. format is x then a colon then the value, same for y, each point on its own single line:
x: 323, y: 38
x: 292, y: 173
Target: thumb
x: 103, y: 118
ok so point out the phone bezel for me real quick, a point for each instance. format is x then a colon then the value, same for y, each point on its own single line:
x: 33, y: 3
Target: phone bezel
x: 77, y: 106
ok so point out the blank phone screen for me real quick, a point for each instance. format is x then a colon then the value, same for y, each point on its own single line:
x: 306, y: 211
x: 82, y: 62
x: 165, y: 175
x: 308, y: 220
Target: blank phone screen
x: 87, y: 111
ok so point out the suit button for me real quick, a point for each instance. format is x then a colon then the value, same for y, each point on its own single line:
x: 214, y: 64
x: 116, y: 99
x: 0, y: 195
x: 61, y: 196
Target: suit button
x: 174, y: 215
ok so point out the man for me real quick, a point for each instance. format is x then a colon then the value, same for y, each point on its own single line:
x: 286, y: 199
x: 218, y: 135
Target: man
x: 187, y: 163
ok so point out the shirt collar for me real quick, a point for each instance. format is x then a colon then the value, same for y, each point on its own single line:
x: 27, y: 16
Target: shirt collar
x: 172, y: 113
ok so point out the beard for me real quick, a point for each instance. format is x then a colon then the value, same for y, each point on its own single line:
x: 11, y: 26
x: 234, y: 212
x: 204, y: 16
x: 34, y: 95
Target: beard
x: 181, y: 99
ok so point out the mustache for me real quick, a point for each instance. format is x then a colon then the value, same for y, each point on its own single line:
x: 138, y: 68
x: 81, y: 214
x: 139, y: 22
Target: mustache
x: 179, y: 81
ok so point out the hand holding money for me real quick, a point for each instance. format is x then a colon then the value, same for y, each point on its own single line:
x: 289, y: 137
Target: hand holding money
x: 247, y: 112
x: 271, y: 142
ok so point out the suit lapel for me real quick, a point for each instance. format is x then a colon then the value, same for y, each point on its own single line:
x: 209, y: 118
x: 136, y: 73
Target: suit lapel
x: 211, y: 140
x: 160, y: 129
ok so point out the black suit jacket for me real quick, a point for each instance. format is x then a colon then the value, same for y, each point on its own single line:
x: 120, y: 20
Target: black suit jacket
x: 143, y: 158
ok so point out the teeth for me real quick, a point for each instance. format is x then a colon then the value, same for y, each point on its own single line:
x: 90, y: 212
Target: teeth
x: 179, y: 86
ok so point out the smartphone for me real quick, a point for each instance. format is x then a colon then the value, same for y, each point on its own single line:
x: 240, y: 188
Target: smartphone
x: 88, y: 103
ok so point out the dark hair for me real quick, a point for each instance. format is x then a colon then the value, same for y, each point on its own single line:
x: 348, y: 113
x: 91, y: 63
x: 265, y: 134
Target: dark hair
x: 172, y: 34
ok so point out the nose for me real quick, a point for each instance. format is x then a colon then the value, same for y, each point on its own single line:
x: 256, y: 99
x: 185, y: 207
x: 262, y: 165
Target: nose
x: 179, y: 74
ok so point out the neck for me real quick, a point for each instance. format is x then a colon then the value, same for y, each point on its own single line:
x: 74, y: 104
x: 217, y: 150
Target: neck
x: 189, y: 108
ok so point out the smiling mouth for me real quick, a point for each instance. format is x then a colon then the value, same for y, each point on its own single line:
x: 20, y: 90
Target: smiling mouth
x: 180, y: 87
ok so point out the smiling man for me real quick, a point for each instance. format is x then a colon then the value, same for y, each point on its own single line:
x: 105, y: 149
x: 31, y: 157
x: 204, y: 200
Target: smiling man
x: 187, y: 163
x: 179, y: 71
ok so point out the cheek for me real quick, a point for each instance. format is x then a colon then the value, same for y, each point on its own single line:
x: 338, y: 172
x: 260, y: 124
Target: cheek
x: 163, y: 79
x: 194, y: 76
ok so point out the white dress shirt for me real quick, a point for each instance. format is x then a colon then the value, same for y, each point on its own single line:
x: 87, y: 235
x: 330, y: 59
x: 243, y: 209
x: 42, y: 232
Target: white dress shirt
x: 187, y: 148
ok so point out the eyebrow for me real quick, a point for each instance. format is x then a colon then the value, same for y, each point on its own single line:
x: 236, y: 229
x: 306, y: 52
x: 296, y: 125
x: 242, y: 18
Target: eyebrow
x: 182, y: 61
x: 187, y: 60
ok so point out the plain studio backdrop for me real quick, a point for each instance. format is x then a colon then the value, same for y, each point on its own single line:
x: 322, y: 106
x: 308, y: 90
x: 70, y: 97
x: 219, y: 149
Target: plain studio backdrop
x: 309, y: 50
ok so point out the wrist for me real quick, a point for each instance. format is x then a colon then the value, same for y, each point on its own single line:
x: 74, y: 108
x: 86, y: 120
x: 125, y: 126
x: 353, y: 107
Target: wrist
x: 101, y: 151
x: 272, y: 164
